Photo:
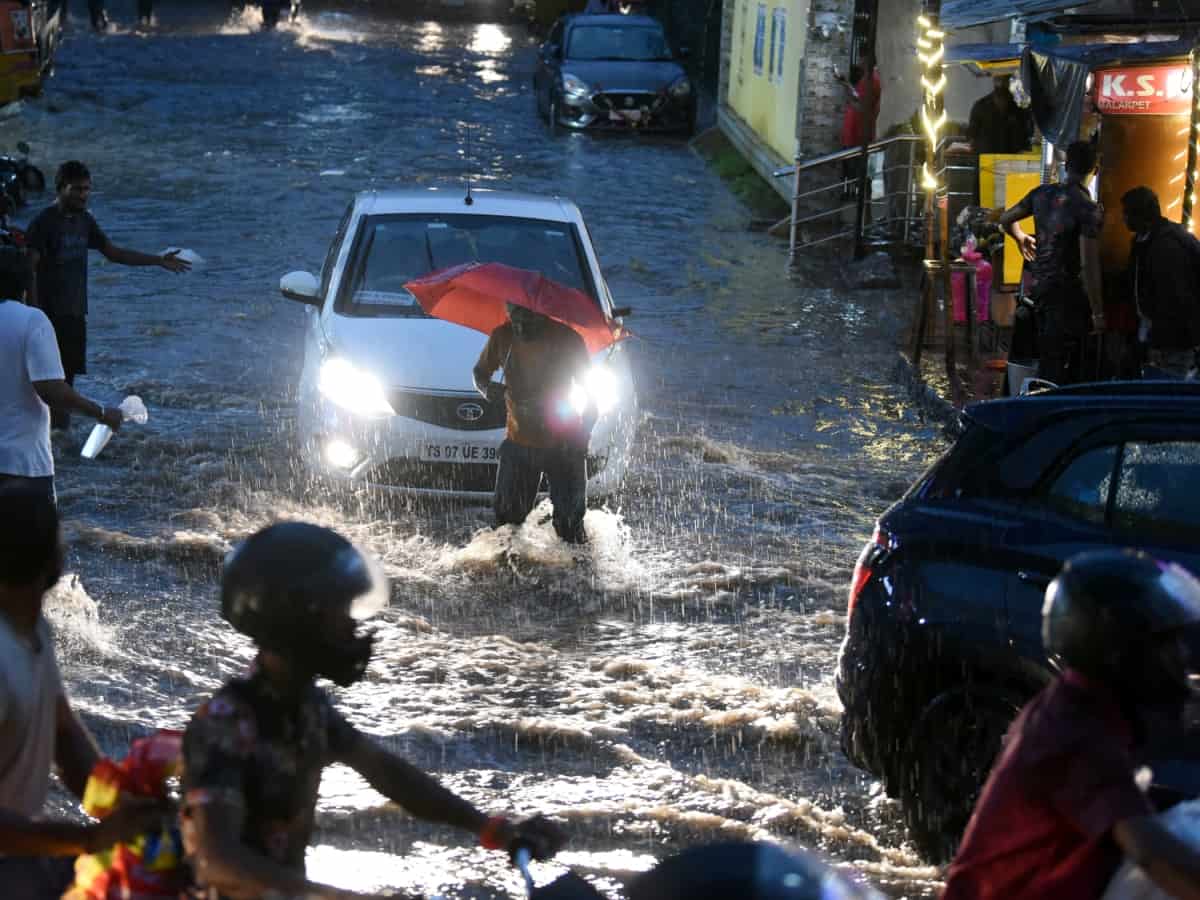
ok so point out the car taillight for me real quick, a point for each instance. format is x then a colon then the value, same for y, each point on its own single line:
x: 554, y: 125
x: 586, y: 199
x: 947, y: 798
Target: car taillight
x: 880, y: 541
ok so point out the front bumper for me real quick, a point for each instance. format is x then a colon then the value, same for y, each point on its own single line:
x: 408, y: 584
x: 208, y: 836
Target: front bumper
x: 403, y: 455
x: 627, y: 111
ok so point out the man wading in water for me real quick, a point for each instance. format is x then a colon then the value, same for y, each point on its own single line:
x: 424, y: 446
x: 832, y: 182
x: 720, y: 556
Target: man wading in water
x: 547, y: 433
x: 59, y: 239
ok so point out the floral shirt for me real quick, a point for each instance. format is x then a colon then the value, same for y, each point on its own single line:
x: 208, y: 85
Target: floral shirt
x: 1062, y: 213
x: 247, y: 747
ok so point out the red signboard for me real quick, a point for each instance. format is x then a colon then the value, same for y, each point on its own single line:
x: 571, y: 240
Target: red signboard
x: 1151, y: 91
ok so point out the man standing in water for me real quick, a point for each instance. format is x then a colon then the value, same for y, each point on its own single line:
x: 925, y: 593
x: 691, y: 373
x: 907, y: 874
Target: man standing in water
x: 31, y: 383
x: 253, y: 755
x: 59, y: 239
x: 38, y: 728
x: 547, y: 431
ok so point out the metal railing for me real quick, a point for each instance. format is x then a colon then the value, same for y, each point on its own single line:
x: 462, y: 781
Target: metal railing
x: 894, y: 215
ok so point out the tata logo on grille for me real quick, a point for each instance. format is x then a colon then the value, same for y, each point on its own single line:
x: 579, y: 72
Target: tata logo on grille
x: 629, y: 101
x: 469, y: 412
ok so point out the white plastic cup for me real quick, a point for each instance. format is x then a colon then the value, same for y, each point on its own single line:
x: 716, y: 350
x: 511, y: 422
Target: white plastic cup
x: 132, y: 410
x: 96, y: 441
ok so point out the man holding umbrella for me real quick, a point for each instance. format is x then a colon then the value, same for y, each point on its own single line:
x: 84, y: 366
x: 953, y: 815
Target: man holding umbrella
x: 550, y: 418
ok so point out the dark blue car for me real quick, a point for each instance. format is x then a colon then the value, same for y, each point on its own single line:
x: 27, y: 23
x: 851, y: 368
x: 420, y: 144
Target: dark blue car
x: 943, y: 640
x: 613, y: 72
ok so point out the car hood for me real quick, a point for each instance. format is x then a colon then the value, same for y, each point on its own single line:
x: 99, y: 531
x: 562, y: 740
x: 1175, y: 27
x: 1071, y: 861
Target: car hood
x: 624, y: 76
x: 423, y: 354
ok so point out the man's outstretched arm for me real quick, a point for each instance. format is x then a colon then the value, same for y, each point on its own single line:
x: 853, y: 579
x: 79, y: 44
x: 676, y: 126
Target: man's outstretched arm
x: 125, y: 257
x: 424, y: 797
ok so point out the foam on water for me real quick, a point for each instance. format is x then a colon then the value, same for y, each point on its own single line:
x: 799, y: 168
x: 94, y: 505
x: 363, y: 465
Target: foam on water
x: 76, y: 616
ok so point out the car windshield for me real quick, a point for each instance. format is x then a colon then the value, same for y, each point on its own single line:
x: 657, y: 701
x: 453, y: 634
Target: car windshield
x: 394, y: 249
x: 628, y: 43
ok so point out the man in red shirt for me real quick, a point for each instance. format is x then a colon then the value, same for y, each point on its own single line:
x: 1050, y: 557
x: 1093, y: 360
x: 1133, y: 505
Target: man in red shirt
x: 859, y: 119
x: 1061, y: 810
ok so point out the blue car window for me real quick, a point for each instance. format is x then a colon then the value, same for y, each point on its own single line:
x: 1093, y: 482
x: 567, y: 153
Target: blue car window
x: 1157, y: 490
x: 1082, y: 490
x: 617, y: 42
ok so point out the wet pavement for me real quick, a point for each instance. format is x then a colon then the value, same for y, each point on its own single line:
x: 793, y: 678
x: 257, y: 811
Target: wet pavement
x: 670, y: 684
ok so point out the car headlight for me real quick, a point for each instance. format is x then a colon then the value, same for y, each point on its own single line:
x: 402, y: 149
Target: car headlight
x: 682, y: 87
x: 574, y: 87
x: 351, y: 388
x: 603, y: 387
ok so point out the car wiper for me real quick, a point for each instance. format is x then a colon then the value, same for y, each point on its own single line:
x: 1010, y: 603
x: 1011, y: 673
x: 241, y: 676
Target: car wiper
x: 429, y: 251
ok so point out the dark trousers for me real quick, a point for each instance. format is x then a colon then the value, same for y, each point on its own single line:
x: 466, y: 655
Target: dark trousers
x: 71, y: 334
x: 1063, y: 319
x: 520, y: 474
x: 41, y: 483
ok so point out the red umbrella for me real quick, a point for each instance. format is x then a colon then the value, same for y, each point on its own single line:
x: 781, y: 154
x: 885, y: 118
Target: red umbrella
x: 475, y: 294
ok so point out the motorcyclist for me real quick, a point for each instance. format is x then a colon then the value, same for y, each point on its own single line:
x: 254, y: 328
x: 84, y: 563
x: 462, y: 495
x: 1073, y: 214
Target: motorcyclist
x: 254, y: 753
x: 1061, y: 808
x: 547, y: 433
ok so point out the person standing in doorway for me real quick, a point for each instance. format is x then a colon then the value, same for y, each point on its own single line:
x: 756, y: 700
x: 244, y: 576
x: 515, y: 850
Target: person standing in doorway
x: 59, y: 239
x: 860, y: 117
x: 997, y: 124
x: 1064, y: 260
x: 1164, y: 264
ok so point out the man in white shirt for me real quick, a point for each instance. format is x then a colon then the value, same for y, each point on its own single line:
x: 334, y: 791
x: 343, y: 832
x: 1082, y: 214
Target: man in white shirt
x: 38, y: 728
x: 31, y: 381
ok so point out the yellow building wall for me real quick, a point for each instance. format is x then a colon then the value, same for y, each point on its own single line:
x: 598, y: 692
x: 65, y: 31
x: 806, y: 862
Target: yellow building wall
x: 764, y: 71
x: 1004, y: 180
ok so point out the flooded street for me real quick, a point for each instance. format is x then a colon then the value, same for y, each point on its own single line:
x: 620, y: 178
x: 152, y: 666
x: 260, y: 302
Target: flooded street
x: 670, y: 684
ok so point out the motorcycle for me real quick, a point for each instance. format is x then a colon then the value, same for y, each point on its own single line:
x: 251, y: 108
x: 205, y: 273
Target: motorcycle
x: 19, y: 177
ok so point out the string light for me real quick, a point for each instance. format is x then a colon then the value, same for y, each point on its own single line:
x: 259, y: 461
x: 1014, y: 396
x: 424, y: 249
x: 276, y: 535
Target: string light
x: 1193, y: 151
x: 931, y: 51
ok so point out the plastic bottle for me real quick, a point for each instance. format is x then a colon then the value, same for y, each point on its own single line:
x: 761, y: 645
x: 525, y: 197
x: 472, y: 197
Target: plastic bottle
x: 132, y: 410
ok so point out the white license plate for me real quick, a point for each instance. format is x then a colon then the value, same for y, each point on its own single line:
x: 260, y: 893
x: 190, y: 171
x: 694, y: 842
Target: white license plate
x: 460, y: 453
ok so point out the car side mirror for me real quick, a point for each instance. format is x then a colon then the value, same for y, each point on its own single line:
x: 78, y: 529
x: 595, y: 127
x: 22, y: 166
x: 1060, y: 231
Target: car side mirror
x: 301, y: 287
x: 620, y: 312
x: 22, y: 148
x: 553, y: 51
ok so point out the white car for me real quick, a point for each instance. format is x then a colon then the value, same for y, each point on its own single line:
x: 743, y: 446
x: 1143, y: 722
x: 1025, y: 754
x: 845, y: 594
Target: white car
x: 386, y: 397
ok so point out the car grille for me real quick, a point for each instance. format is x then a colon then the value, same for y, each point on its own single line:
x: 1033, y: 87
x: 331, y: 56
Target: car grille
x: 625, y: 100
x: 443, y: 410
x: 411, y: 473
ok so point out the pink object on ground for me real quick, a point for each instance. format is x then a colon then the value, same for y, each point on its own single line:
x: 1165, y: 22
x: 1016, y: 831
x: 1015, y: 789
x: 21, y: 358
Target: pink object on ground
x: 983, y: 288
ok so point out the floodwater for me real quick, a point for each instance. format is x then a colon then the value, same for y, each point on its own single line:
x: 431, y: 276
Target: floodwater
x: 670, y: 684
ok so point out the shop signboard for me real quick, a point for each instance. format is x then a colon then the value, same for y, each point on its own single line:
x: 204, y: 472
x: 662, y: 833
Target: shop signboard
x: 1144, y: 91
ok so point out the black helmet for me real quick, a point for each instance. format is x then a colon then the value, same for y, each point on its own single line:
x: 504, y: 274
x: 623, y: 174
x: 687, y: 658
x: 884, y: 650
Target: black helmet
x: 744, y: 871
x: 1109, y: 614
x: 297, y: 590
